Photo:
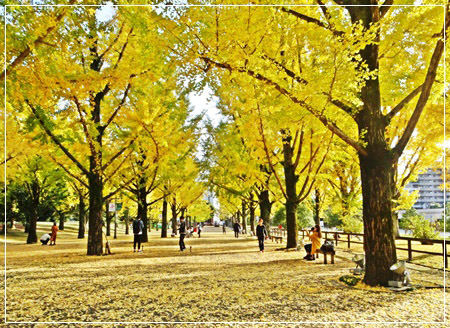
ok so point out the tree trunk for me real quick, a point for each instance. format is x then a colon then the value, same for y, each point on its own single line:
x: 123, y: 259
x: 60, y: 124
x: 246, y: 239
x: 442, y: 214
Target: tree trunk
x: 379, y: 242
x: 61, y: 220
x: 142, y: 208
x: 265, y: 207
x: 164, y: 219
x: 244, y: 217
x: 95, y: 238
x: 127, y: 221
x: 32, y: 235
x: 291, y: 193
x: 252, y: 214
x: 81, y: 215
x: 317, y: 206
x: 108, y: 219
x: 291, y: 224
x: 173, y: 207
x: 115, y: 227
x: 395, y: 224
x: 377, y: 166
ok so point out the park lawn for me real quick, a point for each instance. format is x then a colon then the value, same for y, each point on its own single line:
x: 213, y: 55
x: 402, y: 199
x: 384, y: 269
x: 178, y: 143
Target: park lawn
x: 223, y: 279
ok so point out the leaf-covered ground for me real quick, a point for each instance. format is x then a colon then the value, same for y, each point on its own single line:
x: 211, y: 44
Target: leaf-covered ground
x: 223, y: 279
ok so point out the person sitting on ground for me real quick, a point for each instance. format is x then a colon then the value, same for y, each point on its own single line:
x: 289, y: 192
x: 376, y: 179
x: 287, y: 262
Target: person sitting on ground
x: 53, y: 236
x: 45, y: 239
x: 314, y: 236
x: 191, y: 231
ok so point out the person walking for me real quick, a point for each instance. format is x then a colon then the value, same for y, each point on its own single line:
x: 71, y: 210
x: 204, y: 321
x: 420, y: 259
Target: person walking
x: 261, y: 233
x: 182, y: 230
x: 236, y: 229
x: 138, y: 227
x: 224, y: 228
x: 53, y: 236
x: 199, y: 229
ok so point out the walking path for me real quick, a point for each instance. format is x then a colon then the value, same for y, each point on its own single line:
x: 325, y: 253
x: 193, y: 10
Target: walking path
x: 223, y: 279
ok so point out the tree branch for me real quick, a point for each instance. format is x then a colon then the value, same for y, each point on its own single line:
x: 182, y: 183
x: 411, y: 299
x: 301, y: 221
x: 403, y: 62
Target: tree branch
x: 85, y: 128
x: 329, y: 125
x: 120, y: 152
x: 299, y: 150
x: 385, y: 7
x: 403, y: 103
x: 118, y: 107
x: 426, y: 90
x: 55, y: 139
x: 70, y: 173
x: 105, y: 198
x: 24, y: 54
x: 266, y: 150
x: 312, y: 20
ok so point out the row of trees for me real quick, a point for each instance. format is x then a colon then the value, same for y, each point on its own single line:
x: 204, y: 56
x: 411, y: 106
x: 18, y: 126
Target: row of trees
x: 309, y: 90
x: 316, y: 98
x: 96, y: 111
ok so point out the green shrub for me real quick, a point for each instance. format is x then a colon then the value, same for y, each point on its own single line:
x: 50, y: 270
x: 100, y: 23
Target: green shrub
x: 304, y: 217
x: 331, y: 219
x: 352, y: 224
x: 422, y: 228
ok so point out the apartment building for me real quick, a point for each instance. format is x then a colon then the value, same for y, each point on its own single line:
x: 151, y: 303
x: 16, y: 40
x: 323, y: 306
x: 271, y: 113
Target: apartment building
x: 431, y: 194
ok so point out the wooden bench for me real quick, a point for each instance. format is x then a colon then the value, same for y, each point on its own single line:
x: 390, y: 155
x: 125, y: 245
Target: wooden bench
x: 331, y: 253
x: 276, y: 238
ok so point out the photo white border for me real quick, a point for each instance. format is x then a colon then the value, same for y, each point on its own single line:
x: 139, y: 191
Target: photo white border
x: 220, y: 322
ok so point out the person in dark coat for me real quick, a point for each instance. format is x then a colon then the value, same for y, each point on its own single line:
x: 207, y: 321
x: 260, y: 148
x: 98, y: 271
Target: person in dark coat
x: 261, y: 233
x: 236, y: 229
x: 138, y: 228
x: 182, y: 230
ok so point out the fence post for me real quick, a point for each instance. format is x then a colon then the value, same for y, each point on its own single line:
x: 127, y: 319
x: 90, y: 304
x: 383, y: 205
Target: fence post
x: 409, y: 250
x: 444, y: 252
x: 348, y: 238
x: 336, y: 237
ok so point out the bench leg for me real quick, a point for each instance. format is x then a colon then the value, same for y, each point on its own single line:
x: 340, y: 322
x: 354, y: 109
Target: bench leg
x: 325, y: 258
x: 332, y: 258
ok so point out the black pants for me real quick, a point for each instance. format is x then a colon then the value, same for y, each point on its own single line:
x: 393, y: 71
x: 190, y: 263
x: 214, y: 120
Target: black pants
x: 182, y: 246
x: 137, y: 239
x: 199, y: 232
x: 261, y: 243
x: 236, y: 234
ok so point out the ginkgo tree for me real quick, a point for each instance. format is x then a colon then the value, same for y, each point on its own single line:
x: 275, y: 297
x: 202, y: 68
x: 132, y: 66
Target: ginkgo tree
x: 77, y: 91
x: 354, y: 68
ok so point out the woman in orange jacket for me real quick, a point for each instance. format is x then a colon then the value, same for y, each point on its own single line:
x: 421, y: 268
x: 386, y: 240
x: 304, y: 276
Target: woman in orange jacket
x: 314, y: 236
x: 53, y: 236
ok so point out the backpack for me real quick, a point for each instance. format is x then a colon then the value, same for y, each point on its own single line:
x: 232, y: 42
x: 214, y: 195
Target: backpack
x: 327, y: 246
x: 136, y: 227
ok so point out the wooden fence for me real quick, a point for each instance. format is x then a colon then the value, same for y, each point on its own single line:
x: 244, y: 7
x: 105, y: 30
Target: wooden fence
x: 338, y: 237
